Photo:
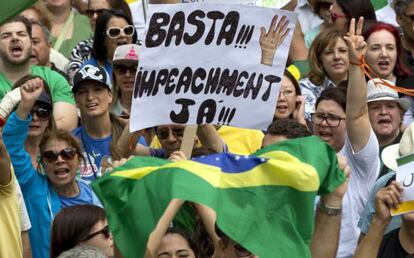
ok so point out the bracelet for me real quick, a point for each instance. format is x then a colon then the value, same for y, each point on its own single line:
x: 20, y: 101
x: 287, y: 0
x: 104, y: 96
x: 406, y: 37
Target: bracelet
x: 329, y: 210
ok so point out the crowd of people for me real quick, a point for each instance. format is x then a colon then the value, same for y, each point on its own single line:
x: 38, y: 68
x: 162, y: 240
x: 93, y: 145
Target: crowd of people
x: 67, y: 73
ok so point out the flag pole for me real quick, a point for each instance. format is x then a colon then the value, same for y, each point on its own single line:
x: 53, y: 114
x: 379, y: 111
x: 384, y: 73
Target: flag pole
x: 145, y: 9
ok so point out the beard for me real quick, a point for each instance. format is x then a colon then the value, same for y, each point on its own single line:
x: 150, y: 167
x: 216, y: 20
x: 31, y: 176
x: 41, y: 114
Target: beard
x: 9, y: 60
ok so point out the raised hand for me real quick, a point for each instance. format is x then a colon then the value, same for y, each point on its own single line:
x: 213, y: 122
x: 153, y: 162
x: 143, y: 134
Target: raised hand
x: 30, y: 92
x: 273, y: 38
x: 299, y: 112
x: 355, y: 41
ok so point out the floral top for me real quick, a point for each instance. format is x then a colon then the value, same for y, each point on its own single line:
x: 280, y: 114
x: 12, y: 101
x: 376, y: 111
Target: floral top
x: 311, y: 93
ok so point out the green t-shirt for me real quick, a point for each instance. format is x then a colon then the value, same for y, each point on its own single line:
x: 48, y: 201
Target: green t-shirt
x: 58, y: 85
x: 81, y: 31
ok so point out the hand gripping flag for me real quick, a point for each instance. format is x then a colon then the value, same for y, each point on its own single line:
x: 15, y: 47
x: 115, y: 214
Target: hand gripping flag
x: 264, y: 202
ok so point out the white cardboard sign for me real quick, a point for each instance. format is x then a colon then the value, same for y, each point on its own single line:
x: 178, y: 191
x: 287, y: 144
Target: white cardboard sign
x: 405, y: 175
x: 211, y: 64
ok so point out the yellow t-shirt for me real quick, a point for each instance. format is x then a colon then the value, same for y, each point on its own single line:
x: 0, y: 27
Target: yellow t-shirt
x: 238, y: 140
x: 10, y: 224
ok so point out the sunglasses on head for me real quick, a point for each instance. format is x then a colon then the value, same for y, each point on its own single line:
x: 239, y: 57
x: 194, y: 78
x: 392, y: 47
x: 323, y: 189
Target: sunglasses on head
x: 122, y: 69
x: 105, y: 231
x: 42, y: 114
x: 52, y: 156
x: 335, y: 16
x: 91, y: 12
x: 115, y: 32
x: 163, y: 133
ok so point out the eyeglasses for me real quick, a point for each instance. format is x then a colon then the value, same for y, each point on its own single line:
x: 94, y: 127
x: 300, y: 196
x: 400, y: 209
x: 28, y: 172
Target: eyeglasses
x: 335, y: 16
x: 91, y: 12
x: 52, y: 156
x: 105, y: 231
x: 42, y: 114
x: 331, y: 120
x: 240, y: 251
x: 122, y: 69
x: 288, y: 93
x: 163, y: 133
x: 115, y: 32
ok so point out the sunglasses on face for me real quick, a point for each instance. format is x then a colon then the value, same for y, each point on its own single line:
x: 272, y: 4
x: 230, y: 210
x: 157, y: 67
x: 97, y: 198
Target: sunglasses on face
x: 42, y: 114
x: 91, y: 12
x: 52, y: 156
x: 105, y: 231
x: 410, y: 17
x: 115, y: 32
x: 122, y: 69
x: 163, y: 133
x: 335, y: 16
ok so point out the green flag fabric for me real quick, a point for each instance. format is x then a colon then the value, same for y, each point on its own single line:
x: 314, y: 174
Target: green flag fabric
x: 10, y: 8
x: 264, y: 202
x: 378, y: 4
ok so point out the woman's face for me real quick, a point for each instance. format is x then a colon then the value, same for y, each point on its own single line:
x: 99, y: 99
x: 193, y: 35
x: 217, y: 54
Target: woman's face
x: 174, y: 245
x: 335, y: 59
x: 103, y: 241
x: 112, y: 43
x: 125, y: 76
x: 95, y: 7
x: 40, y: 120
x: 382, y: 53
x: 334, y: 136
x: 286, y: 102
x: 338, y: 17
x: 60, y: 162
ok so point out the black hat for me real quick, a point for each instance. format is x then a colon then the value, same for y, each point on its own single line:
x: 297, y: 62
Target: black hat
x: 90, y: 72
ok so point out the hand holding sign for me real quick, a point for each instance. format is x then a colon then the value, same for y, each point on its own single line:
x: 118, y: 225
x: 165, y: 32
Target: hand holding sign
x: 386, y: 199
x: 270, y: 41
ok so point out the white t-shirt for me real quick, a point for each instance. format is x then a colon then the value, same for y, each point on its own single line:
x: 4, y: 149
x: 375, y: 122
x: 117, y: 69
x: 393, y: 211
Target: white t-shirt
x: 307, y: 18
x: 364, y: 167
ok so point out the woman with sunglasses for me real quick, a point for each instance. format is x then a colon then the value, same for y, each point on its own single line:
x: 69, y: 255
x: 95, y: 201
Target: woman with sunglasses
x: 329, y: 63
x: 341, y: 120
x: 125, y: 63
x: 342, y: 11
x: 83, y: 50
x: 45, y: 162
x: 113, y: 28
x: 81, y: 225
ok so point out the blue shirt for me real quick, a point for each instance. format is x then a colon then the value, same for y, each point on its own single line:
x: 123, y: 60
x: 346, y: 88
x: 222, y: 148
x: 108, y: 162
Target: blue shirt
x: 96, y: 154
x: 86, y: 195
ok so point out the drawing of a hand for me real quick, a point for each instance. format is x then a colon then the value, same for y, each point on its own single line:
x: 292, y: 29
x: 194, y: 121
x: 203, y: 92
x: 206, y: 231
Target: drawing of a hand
x: 273, y: 38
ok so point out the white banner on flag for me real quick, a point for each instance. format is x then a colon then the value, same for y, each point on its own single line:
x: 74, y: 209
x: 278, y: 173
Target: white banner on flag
x: 211, y: 64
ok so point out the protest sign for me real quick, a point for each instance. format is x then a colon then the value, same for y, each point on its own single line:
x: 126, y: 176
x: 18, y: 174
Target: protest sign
x: 211, y: 64
x: 405, y: 175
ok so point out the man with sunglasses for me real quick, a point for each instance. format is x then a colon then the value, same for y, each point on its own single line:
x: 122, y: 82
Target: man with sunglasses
x: 15, y: 52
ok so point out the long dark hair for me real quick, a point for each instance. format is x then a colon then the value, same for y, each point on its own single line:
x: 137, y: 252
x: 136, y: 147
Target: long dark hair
x: 72, y: 225
x: 358, y: 8
x: 98, y: 48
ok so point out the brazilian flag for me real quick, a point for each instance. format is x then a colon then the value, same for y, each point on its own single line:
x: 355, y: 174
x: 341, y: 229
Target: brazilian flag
x: 10, y: 8
x: 265, y: 202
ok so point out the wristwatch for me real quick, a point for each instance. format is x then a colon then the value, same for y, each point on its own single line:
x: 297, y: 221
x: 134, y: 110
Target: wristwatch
x: 329, y: 210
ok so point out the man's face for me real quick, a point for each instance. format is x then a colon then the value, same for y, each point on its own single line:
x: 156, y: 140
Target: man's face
x: 40, y: 47
x: 385, y: 117
x: 170, y: 137
x: 15, y: 43
x: 406, y: 22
